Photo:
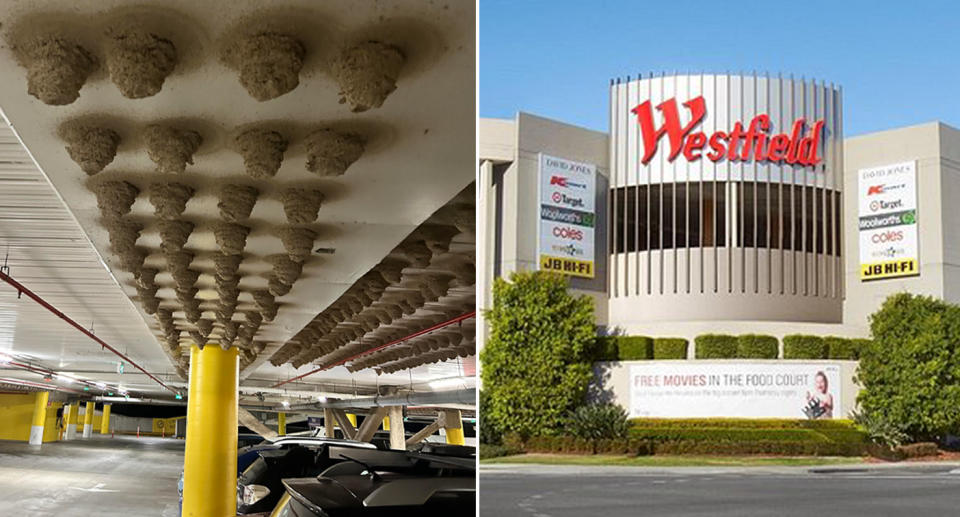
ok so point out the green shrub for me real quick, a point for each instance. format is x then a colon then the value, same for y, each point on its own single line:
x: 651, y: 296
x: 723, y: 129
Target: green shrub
x: 634, y: 348
x: 763, y: 447
x: 910, y: 370
x: 715, y: 346
x: 757, y: 346
x: 801, y: 346
x: 670, y: 348
x: 489, y: 433
x: 598, y: 421
x: 605, y: 348
x: 537, y: 362
x: 844, y: 348
x: 488, y: 451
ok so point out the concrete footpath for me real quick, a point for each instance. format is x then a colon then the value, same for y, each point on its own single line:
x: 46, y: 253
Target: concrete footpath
x: 101, y: 476
x: 868, y: 490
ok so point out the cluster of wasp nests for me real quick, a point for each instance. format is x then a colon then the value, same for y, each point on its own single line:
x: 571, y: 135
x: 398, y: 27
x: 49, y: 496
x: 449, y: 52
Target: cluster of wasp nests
x: 421, y: 283
x: 189, y: 287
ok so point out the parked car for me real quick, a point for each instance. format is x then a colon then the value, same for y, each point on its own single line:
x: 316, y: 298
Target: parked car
x: 259, y: 485
x: 385, y: 483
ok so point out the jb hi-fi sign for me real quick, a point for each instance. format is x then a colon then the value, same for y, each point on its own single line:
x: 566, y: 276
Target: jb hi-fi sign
x: 753, y: 142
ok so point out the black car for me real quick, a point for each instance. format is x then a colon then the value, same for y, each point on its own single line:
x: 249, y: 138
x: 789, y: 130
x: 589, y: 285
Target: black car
x: 259, y: 486
x: 440, y: 482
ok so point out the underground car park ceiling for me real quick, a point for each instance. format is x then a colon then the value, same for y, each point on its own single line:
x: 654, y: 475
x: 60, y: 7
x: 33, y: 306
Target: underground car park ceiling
x: 292, y: 179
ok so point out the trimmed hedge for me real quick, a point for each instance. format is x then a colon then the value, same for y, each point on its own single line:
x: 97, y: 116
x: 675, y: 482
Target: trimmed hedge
x: 715, y: 346
x: 605, y: 348
x: 802, y: 346
x: 757, y: 346
x: 844, y: 348
x: 488, y: 451
x: 634, y: 348
x: 670, y: 348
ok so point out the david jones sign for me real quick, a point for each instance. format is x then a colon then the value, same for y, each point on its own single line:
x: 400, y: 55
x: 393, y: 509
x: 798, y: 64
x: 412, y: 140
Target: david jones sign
x: 741, y: 143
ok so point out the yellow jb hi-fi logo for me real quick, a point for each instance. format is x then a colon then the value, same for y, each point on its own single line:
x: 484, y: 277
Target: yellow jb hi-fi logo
x: 567, y: 266
x: 889, y: 269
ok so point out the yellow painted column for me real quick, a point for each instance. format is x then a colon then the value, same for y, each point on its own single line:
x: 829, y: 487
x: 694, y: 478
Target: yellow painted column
x: 39, y: 417
x: 454, y: 427
x: 72, y: 424
x: 210, y: 457
x: 352, y: 418
x: 105, y: 420
x: 386, y: 423
x: 88, y: 420
x: 281, y: 423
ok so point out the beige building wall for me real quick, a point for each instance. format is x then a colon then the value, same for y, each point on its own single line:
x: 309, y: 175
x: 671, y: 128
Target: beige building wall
x: 936, y: 149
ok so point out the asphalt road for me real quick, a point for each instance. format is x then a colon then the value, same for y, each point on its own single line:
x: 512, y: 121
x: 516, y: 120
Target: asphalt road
x: 849, y: 491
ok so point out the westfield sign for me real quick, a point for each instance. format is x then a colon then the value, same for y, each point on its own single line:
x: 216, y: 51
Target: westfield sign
x: 739, y: 144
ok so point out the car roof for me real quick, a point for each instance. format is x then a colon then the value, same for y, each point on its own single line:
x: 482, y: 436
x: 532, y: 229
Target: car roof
x: 317, y: 440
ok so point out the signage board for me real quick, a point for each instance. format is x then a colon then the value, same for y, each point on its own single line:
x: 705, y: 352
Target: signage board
x: 887, y: 200
x: 735, y: 389
x: 567, y: 216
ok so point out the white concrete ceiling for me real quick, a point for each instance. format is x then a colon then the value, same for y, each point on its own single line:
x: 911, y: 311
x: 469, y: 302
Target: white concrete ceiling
x: 420, y: 153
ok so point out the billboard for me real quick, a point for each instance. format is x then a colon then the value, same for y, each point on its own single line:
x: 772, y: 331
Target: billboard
x: 735, y: 389
x: 887, y: 198
x: 567, y: 216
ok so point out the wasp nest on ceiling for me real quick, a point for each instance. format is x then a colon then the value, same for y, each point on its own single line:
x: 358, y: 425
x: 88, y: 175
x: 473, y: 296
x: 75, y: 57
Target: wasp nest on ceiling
x: 231, y: 237
x: 178, y: 260
x: 174, y: 234
x: 262, y: 152
x: 169, y: 200
x: 139, y: 61
x: 123, y: 234
x: 115, y: 198
x: 266, y: 304
x: 285, y: 274
x: 170, y: 148
x: 367, y: 73
x: 269, y: 63
x: 91, y: 147
x: 236, y: 202
x: 417, y: 251
x: 301, y: 204
x: 330, y: 153
x: 56, y: 68
x: 298, y: 242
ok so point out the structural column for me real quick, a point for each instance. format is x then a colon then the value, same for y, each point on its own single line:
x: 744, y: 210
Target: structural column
x: 352, y: 418
x: 105, y: 420
x: 210, y: 458
x: 329, y: 427
x: 281, y: 423
x: 39, y: 417
x: 453, y: 425
x: 72, y: 424
x: 394, y: 423
x: 88, y: 420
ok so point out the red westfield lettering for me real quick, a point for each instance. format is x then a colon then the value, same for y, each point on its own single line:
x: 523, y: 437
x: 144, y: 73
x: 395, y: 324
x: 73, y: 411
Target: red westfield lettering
x: 737, y: 145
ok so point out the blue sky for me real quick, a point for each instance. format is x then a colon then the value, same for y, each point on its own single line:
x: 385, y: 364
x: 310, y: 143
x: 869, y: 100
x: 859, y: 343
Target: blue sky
x: 898, y: 61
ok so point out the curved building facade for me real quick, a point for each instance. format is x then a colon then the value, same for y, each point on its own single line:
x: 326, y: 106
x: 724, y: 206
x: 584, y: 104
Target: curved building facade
x: 724, y: 200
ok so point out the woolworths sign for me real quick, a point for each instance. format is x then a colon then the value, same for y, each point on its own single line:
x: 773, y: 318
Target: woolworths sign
x: 888, y: 221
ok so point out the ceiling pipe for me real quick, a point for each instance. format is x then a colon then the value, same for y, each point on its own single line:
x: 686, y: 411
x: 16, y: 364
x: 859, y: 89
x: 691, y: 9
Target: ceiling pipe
x: 21, y: 289
x: 466, y: 396
x: 438, y: 326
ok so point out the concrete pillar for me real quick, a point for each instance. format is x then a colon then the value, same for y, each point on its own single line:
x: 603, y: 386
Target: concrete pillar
x: 281, y: 423
x: 453, y: 425
x: 105, y: 420
x: 88, y: 420
x: 72, y: 424
x: 394, y: 423
x: 329, y: 425
x: 39, y: 417
x: 210, y: 458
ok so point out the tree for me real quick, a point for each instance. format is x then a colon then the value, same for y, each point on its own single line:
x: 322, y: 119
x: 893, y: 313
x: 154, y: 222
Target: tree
x: 537, y: 361
x: 910, y: 371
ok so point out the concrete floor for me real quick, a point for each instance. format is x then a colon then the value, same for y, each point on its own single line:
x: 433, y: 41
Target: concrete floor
x: 123, y: 476
x: 548, y: 491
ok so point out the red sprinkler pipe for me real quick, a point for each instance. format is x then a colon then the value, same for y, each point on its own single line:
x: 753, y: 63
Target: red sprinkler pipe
x: 381, y: 347
x: 21, y: 289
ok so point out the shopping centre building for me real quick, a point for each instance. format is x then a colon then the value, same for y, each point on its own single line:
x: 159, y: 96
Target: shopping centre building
x: 722, y: 204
